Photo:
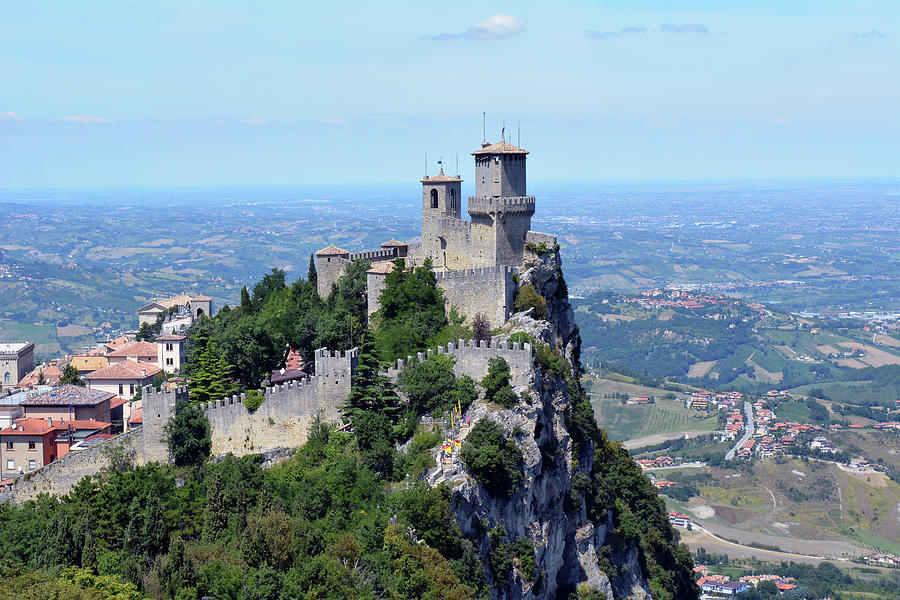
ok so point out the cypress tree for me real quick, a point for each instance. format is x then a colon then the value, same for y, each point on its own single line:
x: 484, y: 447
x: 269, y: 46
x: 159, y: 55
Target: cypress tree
x: 312, y: 275
x: 371, y: 391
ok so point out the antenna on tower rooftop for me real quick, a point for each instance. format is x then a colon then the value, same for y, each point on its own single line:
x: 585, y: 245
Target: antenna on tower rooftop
x: 457, y: 163
x: 503, y: 132
x: 483, y: 127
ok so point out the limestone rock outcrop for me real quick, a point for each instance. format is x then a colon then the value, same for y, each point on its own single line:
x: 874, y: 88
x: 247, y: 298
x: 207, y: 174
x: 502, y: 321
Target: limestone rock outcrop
x: 543, y: 507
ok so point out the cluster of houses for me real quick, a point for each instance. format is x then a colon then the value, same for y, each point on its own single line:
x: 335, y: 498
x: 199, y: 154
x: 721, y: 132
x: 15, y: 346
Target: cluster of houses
x: 660, y: 462
x: 881, y: 559
x: 722, y: 586
x: 708, y: 400
x: 734, y: 424
x: 679, y: 520
x: 41, y: 421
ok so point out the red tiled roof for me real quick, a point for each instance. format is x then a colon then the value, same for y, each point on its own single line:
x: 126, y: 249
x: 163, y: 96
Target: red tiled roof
x: 134, y: 349
x: 201, y: 298
x: 171, y: 337
x: 382, y: 267
x: 117, y: 402
x: 440, y: 178
x: 30, y: 426
x: 393, y: 243
x: 331, y: 251
x: 125, y: 370
x: 137, y: 416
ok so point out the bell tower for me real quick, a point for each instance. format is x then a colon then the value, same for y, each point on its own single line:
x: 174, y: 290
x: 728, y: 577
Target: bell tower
x: 441, y: 210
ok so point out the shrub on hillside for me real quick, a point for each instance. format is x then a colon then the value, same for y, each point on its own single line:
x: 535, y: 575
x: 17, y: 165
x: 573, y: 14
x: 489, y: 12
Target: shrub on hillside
x: 496, y: 384
x: 527, y: 297
x: 493, y: 459
x: 254, y: 399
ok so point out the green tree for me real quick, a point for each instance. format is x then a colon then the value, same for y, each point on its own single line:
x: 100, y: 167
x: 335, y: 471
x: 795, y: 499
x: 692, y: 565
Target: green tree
x: 374, y: 436
x: 493, y: 459
x: 41, y: 379
x: 145, y: 333
x: 427, y: 383
x: 188, y: 435
x: 246, y: 301
x: 527, y: 297
x: 211, y: 376
x: 70, y: 375
x: 371, y: 391
x: 312, y: 275
x: 496, y: 384
x: 412, y: 310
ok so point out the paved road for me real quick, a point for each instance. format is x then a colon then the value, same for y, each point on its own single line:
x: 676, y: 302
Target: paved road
x: 748, y: 432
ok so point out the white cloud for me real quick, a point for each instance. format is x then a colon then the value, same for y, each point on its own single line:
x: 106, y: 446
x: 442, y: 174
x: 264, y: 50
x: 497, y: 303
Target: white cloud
x: 11, y: 116
x: 82, y: 119
x: 871, y: 34
x: 603, y: 35
x: 685, y: 28
x: 338, y: 121
x: 781, y: 121
x: 496, y: 27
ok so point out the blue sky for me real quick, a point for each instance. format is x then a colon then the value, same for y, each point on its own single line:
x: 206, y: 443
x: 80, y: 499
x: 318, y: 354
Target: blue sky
x: 172, y: 93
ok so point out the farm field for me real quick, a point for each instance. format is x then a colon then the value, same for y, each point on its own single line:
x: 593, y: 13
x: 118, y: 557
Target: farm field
x: 799, y: 506
x: 628, y: 422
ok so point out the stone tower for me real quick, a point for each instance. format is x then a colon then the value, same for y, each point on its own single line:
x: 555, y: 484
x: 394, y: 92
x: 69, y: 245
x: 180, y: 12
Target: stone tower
x: 500, y: 210
x: 330, y: 265
x: 441, y: 211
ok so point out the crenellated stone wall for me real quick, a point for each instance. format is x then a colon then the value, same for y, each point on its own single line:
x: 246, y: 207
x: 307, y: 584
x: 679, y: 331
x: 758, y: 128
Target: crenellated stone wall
x: 472, y: 358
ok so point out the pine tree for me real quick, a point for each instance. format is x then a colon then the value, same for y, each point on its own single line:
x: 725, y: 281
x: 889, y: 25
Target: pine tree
x: 371, y: 391
x: 211, y: 376
x: 246, y: 302
x: 216, y: 511
x: 41, y: 379
x: 71, y: 375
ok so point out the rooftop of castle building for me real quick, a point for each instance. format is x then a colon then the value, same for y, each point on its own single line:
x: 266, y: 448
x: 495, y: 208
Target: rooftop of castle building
x: 384, y: 267
x: 171, y: 337
x: 331, y: 250
x: 440, y: 177
x: 501, y: 147
x: 393, y: 243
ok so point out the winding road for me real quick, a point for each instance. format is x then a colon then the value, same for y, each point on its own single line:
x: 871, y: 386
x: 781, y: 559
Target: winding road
x: 748, y: 431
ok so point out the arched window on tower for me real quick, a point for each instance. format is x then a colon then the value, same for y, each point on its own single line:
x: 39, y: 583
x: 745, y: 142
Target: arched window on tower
x: 434, y: 199
x: 452, y: 199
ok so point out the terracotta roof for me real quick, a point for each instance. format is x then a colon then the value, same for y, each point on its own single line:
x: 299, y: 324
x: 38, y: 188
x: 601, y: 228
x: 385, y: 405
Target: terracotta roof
x: 382, y: 268
x: 393, y: 243
x: 52, y: 374
x: 30, y: 426
x: 83, y: 424
x: 68, y: 395
x: 134, y: 349
x: 117, y: 402
x: 179, y: 300
x: 201, y: 298
x: 440, y: 178
x: 137, y: 416
x: 125, y: 370
x: 171, y: 337
x: 89, y: 363
x: 331, y: 251
x: 502, y: 147
x: 122, y: 340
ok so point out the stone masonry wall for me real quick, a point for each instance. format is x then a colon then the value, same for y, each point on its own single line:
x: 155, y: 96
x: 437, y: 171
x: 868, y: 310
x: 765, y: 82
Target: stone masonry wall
x: 60, y: 476
x: 472, y: 358
x: 490, y: 290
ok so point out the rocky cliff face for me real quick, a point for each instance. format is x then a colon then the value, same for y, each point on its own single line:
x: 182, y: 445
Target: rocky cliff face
x: 547, y: 508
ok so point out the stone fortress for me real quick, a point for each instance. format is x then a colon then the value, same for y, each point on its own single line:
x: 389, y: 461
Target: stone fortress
x: 475, y: 261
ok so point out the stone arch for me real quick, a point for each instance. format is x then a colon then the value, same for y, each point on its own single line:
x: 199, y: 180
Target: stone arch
x: 434, y: 198
x: 200, y: 312
x: 452, y: 199
x: 7, y: 378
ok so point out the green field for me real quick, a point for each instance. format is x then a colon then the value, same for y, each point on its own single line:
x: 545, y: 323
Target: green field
x: 626, y: 422
x: 792, y: 411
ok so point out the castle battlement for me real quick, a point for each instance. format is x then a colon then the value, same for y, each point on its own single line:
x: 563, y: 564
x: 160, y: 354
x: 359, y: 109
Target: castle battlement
x: 502, y: 204
x: 454, y: 225
x: 472, y: 358
x: 480, y: 273
x: 375, y: 255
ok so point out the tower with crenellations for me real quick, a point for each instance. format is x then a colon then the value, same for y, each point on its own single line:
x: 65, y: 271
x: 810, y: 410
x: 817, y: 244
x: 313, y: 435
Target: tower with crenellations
x: 476, y: 260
